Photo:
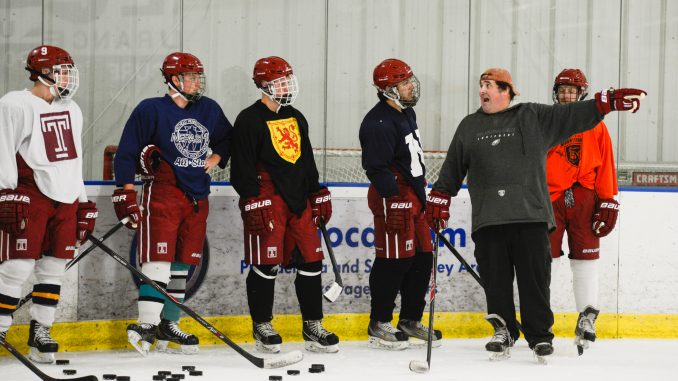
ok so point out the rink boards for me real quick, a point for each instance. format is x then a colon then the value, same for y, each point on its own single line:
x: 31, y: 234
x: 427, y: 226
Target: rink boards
x: 639, y: 260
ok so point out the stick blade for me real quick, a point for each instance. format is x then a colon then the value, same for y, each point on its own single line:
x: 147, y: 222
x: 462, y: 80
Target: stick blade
x: 419, y: 366
x: 283, y: 359
x: 333, y: 293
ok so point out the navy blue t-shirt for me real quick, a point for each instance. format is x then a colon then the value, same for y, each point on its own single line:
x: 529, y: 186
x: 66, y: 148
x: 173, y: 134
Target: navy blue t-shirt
x: 183, y: 136
x: 390, y: 140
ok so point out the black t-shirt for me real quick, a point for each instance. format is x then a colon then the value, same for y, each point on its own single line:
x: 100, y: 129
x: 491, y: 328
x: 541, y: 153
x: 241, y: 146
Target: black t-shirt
x: 279, y: 143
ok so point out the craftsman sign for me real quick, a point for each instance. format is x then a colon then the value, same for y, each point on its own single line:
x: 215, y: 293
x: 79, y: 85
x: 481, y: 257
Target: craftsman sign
x: 663, y: 179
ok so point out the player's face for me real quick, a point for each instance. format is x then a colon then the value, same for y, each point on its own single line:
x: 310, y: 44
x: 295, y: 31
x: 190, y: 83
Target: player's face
x: 406, y: 89
x: 567, y: 94
x: 191, y: 82
x: 492, y: 98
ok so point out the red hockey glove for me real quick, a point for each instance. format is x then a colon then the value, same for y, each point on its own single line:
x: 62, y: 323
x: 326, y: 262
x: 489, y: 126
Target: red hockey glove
x: 605, y: 217
x: 437, y: 208
x: 619, y: 100
x: 87, y: 215
x: 321, y: 206
x: 125, y: 205
x: 149, y: 160
x: 258, y: 216
x: 13, y: 211
x: 397, y: 214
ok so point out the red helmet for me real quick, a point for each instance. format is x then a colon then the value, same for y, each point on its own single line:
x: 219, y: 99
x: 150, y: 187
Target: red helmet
x: 45, y: 60
x: 269, y: 69
x: 571, y: 77
x: 177, y: 64
x: 390, y: 72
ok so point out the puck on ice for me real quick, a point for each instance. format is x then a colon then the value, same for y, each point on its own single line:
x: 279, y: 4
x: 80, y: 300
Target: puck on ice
x: 123, y: 378
x: 62, y: 362
x: 187, y: 367
x: 70, y: 372
x: 109, y: 376
x: 195, y: 372
x: 318, y: 366
x: 293, y: 372
x: 158, y: 377
x: 164, y: 372
x: 274, y: 378
x: 314, y: 370
x: 179, y: 376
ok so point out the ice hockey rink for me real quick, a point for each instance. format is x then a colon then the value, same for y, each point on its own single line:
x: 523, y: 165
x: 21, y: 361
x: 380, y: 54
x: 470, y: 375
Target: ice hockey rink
x: 456, y: 359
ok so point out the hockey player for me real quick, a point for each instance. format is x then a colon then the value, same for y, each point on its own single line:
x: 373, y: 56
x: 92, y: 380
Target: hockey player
x: 167, y: 140
x: 44, y: 212
x: 394, y: 162
x: 281, y: 203
x: 502, y: 149
x: 582, y: 182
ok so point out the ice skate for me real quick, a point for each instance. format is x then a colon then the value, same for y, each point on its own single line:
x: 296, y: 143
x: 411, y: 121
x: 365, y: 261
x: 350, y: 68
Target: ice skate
x: 418, y: 333
x: 141, y: 336
x: 3, y: 334
x: 267, y: 339
x: 500, y: 344
x: 585, y: 332
x: 318, y: 339
x: 42, y: 345
x: 542, y: 350
x: 383, y: 335
x: 169, y: 331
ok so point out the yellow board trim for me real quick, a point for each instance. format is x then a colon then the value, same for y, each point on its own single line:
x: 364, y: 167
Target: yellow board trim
x: 110, y: 335
x: 46, y: 295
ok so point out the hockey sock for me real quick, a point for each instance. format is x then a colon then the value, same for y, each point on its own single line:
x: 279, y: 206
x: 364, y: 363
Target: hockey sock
x: 308, y: 286
x: 414, y: 287
x: 150, y: 300
x: 13, y: 274
x: 585, y: 283
x: 260, y: 288
x: 47, y: 290
x: 177, y: 288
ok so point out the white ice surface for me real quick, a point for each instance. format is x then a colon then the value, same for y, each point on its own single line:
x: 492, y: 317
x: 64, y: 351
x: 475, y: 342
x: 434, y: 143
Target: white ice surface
x: 457, y: 359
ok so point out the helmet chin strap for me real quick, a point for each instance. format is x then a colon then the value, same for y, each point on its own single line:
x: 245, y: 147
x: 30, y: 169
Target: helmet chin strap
x: 273, y: 99
x: 177, y: 92
x: 53, y: 90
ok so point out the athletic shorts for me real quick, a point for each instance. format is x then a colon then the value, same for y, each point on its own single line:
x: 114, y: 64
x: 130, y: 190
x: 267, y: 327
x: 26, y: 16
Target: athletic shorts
x: 577, y: 221
x: 173, y: 226
x: 405, y: 244
x: 294, y: 239
x: 50, y: 228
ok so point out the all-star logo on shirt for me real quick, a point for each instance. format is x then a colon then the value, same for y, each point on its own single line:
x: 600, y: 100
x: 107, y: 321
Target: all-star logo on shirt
x: 192, y: 140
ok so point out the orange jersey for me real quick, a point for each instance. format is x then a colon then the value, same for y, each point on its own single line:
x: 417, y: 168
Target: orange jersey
x: 586, y: 158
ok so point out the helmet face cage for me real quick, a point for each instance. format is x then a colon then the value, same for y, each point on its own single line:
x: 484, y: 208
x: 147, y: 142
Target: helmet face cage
x: 66, y: 81
x: 194, y: 96
x: 283, y: 90
x: 392, y: 92
x: 571, y: 77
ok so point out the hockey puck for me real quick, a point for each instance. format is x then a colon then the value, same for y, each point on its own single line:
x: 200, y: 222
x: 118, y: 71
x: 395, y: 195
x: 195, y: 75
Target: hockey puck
x: 109, y: 376
x: 158, y: 377
x: 274, y: 378
x: 62, y: 362
x: 179, y: 376
x: 164, y: 372
x: 293, y: 372
x: 318, y: 366
x: 314, y: 370
x: 70, y: 372
x: 187, y: 367
x: 195, y: 372
x: 123, y: 378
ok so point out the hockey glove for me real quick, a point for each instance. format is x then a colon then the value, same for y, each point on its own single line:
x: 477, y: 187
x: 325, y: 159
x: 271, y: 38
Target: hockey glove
x: 321, y: 206
x: 437, y: 209
x: 149, y: 160
x: 397, y: 214
x: 619, y: 100
x: 13, y: 211
x: 87, y: 215
x: 605, y: 217
x: 125, y: 205
x: 258, y: 216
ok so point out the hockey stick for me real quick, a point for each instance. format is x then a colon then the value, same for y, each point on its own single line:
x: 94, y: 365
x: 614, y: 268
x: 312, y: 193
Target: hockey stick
x: 417, y: 365
x: 338, y: 286
x: 75, y: 260
x: 460, y: 258
x: 268, y: 363
x: 35, y: 369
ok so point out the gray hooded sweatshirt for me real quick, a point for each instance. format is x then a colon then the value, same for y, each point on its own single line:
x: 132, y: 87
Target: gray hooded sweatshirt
x: 504, y: 156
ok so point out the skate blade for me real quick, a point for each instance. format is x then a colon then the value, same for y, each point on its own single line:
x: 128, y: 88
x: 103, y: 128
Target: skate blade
x: 142, y: 347
x: 500, y: 356
x: 419, y: 366
x: 541, y: 360
x: 261, y: 347
x: 377, y: 343
x: 40, y: 357
x: 173, y: 348
x: 312, y: 346
x: 416, y: 342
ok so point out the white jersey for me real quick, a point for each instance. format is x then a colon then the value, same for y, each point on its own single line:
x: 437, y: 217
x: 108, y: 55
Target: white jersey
x: 47, y: 136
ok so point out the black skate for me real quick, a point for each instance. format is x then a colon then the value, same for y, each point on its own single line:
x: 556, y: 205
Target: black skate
x: 141, y: 336
x: 42, y: 345
x: 418, y: 333
x: 542, y: 350
x: 318, y: 339
x: 169, y: 331
x: 383, y: 335
x: 585, y: 332
x: 267, y: 339
x: 500, y: 344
